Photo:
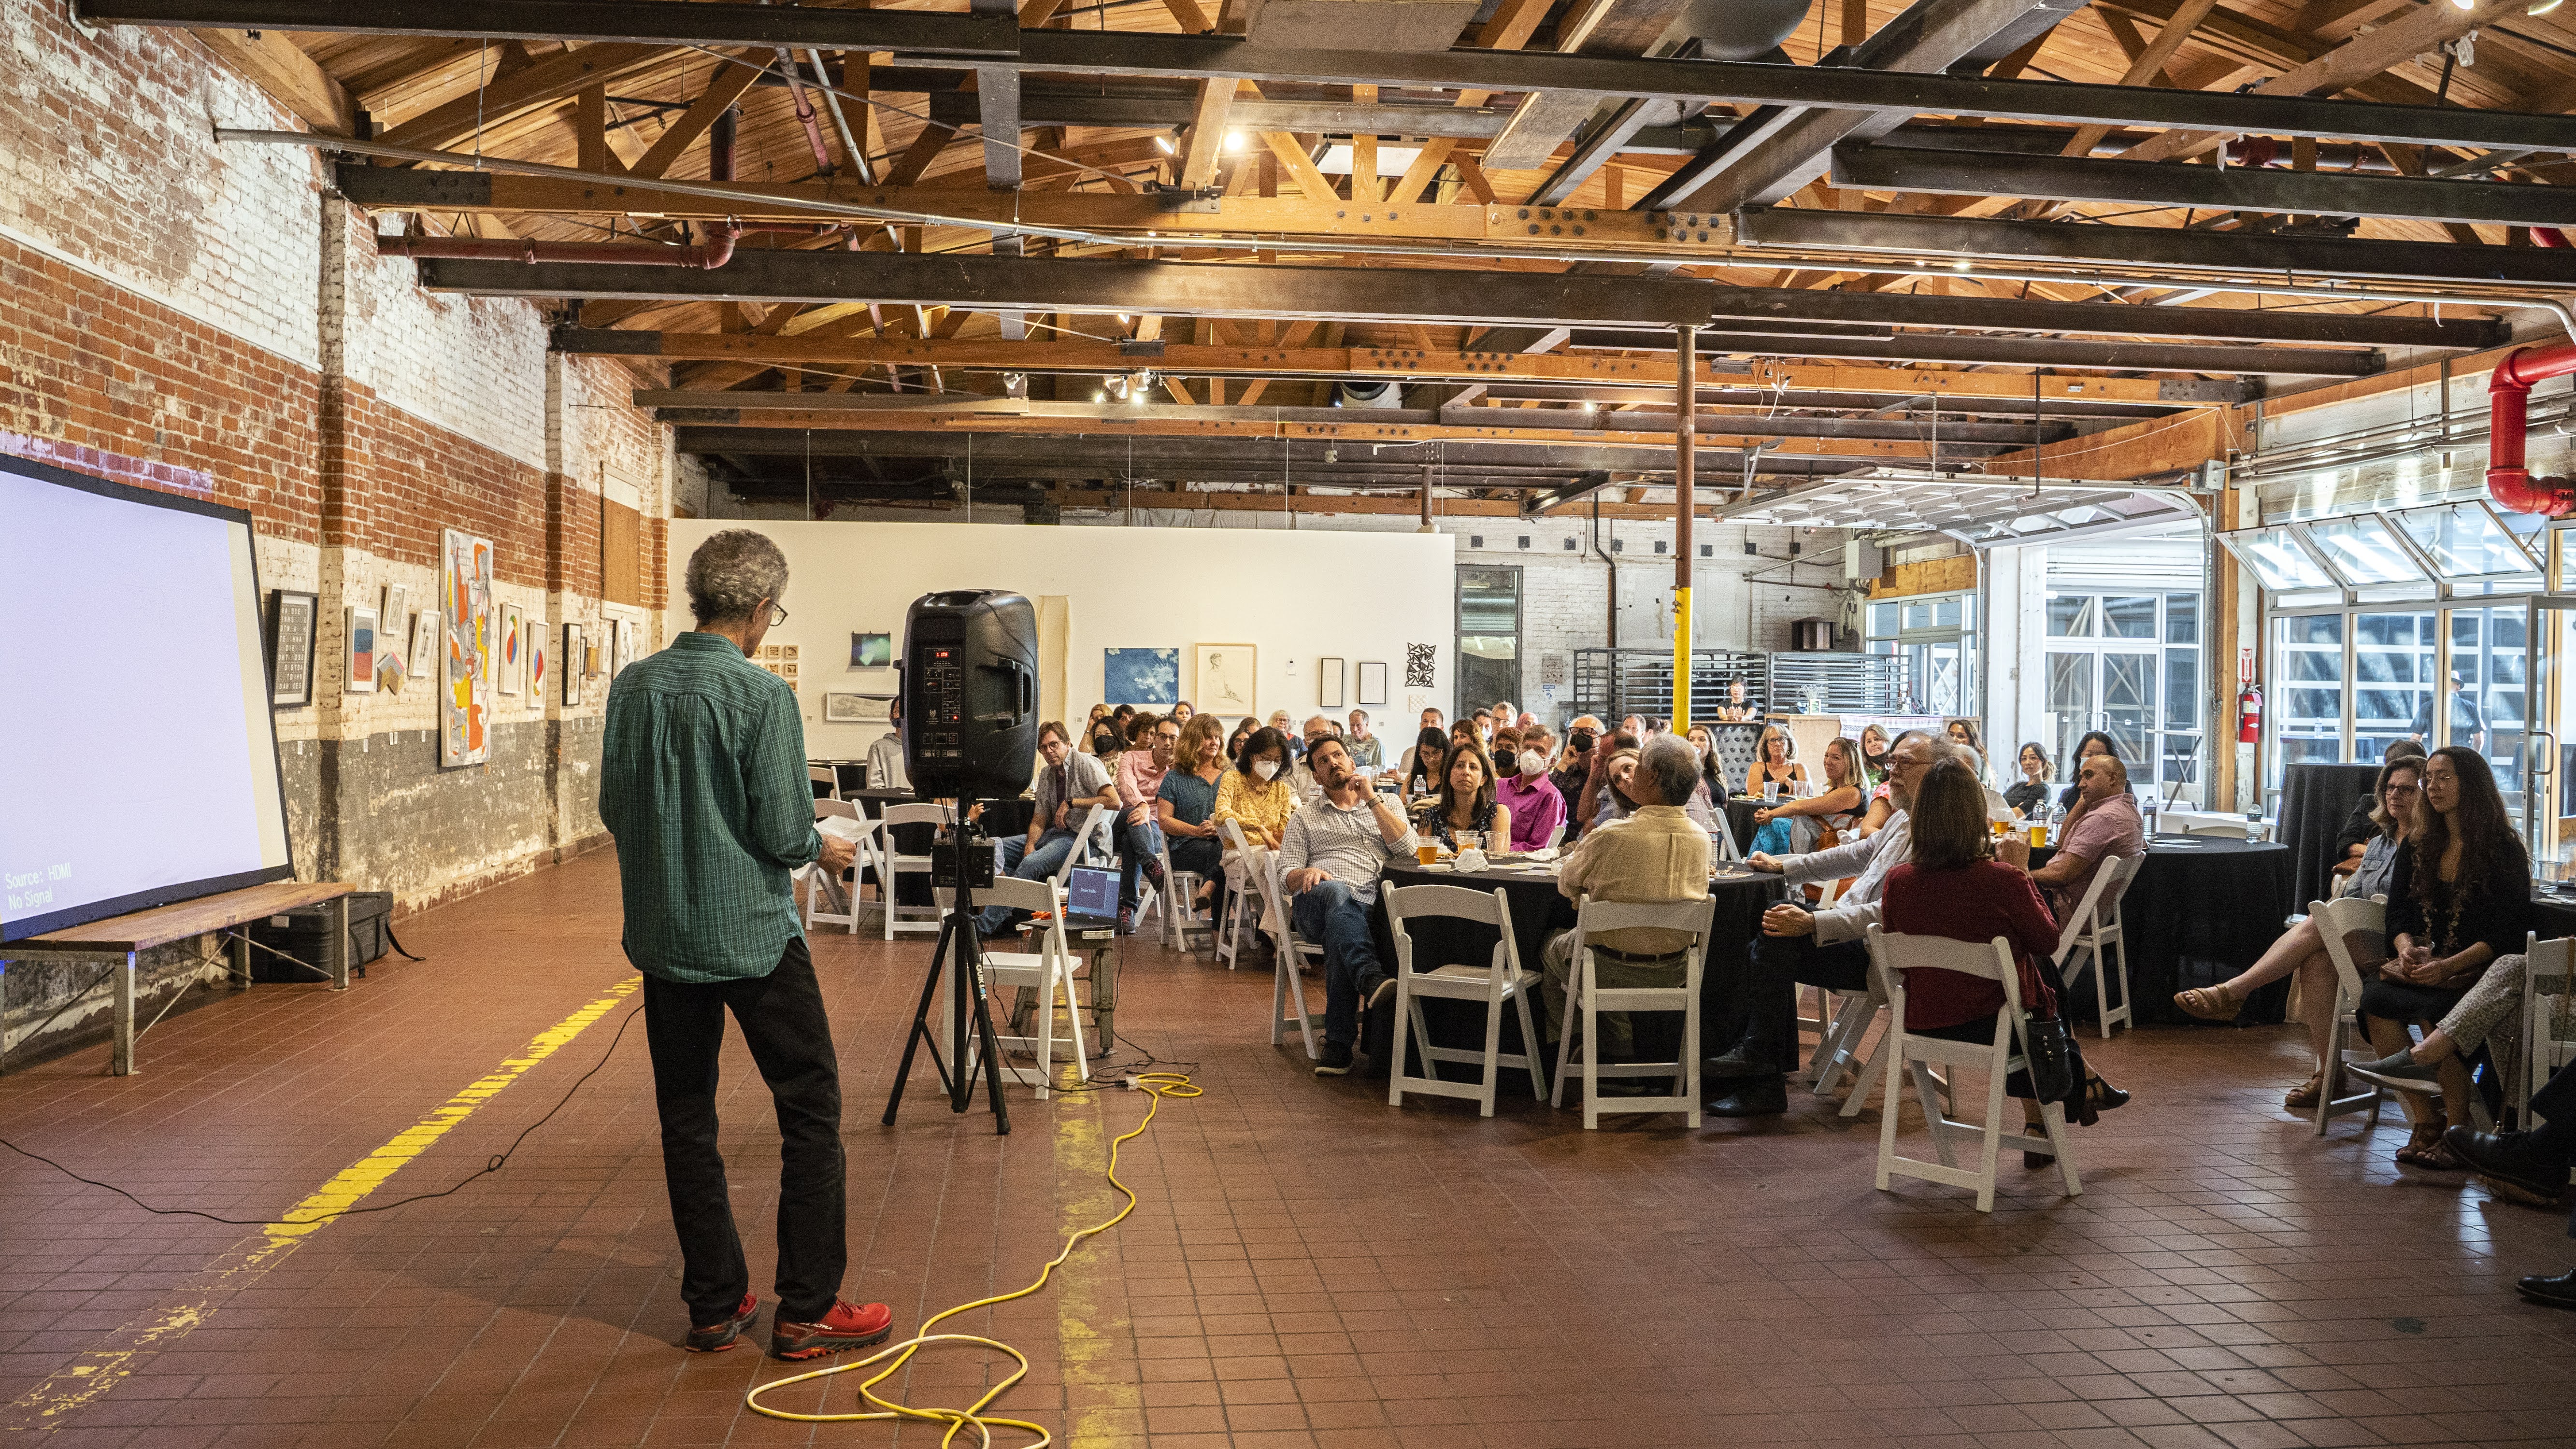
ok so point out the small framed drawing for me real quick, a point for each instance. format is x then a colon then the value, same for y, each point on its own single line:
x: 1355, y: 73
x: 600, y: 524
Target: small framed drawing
x: 572, y: 658
x: 423, y: 650
x: 1228, y: 675
x: 1328, y: 682
x: 513, y: 650
x: 1372, y: 681
x: 857, y: 708
x: 393, y: 641
x: 362, y: 649
x: 290, y: 647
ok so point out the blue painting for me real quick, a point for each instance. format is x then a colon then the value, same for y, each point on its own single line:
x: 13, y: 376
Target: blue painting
x: 1141, y: 676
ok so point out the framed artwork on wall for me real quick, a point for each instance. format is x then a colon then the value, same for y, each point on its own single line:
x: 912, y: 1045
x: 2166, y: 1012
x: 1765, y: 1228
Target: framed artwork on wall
x: 536, y: 664
x: 466, y: 649
x: 291, y: 617
x: 1140, y: 676
x: 513, y: 650
x: 572, y: 664
x: 362, y: 649
x: 1372, y: 681
x: 1229, y: 676
x: 422, y: 650
x: 1329, y: 674
x: 871, y: 651
x: 857, y: 708
x: 393, y: 637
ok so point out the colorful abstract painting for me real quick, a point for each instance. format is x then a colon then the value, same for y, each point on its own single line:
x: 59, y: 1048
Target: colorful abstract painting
x: 466, y: 662
x: 514, y: 649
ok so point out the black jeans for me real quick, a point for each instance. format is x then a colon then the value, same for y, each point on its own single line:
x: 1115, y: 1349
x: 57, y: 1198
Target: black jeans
x: 1780, y: 963
x: 783, y: 1022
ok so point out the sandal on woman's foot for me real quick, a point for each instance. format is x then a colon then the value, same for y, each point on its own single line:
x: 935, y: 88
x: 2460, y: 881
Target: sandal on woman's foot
x: 2426, y: 1136
x: 2303, y: 1097
x: 2210, y: 1003
x: 2440, y: 1158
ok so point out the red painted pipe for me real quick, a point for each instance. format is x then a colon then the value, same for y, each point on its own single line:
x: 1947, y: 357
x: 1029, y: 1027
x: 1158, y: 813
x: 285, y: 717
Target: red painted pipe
x: 2509, y: 483
x: 2548, y: 236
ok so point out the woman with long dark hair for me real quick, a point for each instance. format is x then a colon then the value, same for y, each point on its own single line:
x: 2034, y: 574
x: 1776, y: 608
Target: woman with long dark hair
x: 2094, y: 742
x: 2302, y: 950
x: 1430, y: 766
x: 2459, y: 899
x: 2030, y: 797
x: 1467, y: 800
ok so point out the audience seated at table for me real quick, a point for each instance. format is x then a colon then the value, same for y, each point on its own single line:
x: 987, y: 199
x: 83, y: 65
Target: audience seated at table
x: 1828, y: 948
x: 1069, y: 783
x: 1185, y: 802
x: 1467, y: 802
x: 2362, y: 825
x: 1604, y: 793
x: 1654, y: 855
x: 2093, y: 743
x: 1952, y: 886
x: 2105, y: 823
x: 2394, y: 798
x: 2459, y: 902
x: 1873, y: 759
x: 1826, y: 819
x: 1737, y: 708
x: 1712, y: 775
x: 1426, y: 764
x: 1775, y: 762
x: 1363, y: 744
x: 1336, y: 846
x: 885, y: 757
x: 1537, y: 808
x: 1964, y: 733
x: 1256, y: 795
x: 2028, y: 796
x: 1139, y: 780
x: 1574, y: 770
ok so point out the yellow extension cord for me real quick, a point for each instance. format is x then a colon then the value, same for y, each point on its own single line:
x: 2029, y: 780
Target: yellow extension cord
x: 1157, y: 1086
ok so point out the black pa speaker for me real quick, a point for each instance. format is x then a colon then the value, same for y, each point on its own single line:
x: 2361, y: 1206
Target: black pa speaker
x: 970, y: 694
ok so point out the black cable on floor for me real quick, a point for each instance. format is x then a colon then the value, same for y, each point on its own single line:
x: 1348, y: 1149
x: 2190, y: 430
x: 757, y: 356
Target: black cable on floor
x: 488, y: 1169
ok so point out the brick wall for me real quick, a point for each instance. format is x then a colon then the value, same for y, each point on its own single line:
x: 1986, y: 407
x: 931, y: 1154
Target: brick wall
x: 211, y: 320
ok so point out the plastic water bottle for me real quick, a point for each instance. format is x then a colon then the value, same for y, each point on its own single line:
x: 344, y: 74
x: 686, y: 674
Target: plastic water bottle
x: 2253, y: 829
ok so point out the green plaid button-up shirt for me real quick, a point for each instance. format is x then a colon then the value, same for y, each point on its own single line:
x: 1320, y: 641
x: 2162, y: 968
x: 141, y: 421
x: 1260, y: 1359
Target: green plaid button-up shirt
x: 702, y: 781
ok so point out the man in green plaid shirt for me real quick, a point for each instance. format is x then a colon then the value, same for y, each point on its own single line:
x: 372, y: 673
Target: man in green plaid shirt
x: 702, y: 782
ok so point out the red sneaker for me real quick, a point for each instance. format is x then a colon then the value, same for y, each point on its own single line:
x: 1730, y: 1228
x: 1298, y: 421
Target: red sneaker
x: 847, y: 1326
x: 717, y: 1337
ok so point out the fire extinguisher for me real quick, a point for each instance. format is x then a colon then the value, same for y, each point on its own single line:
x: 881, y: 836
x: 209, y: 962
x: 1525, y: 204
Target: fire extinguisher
x: 2249, y: 716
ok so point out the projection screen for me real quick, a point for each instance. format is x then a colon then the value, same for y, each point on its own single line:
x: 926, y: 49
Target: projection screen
x: 138, y: 753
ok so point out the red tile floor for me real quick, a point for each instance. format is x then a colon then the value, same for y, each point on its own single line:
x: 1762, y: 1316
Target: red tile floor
x: 1309, y: 1266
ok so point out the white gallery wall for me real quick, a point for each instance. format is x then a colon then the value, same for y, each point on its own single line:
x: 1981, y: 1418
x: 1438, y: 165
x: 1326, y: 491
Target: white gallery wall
x: 1298, y: 597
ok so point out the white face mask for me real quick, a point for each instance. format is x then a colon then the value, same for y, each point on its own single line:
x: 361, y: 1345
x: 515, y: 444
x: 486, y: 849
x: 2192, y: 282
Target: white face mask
x: 1531, y: 762
x: 1265, y: 769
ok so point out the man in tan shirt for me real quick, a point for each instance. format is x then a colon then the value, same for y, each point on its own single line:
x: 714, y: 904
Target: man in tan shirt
x: 1655, y: 855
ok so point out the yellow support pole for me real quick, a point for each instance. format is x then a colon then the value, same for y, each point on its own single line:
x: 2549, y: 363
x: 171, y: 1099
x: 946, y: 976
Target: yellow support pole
x: 1685, y: 497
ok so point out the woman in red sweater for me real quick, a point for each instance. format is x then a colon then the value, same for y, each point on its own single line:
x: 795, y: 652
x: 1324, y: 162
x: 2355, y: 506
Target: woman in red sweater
x: 1952, y: 886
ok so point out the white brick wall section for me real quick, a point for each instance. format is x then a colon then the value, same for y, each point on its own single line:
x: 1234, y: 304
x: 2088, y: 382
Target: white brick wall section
x: 473, y: 366
x: 223, y: 234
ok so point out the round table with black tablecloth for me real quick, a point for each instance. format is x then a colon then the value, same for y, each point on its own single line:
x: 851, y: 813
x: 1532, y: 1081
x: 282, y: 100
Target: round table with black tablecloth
x: 1538, y: 910
x: 2202, y: 908
x: 2316, y: 800
x: 1739, y: 818
x: 2552, y: 915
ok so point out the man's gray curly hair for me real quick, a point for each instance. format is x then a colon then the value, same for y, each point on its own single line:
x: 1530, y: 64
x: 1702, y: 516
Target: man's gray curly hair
x: 731, y: 573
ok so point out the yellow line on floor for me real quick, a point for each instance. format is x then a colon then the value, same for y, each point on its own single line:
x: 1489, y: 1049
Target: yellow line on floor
x: 1093, y: 1349
x: 86, y: 1379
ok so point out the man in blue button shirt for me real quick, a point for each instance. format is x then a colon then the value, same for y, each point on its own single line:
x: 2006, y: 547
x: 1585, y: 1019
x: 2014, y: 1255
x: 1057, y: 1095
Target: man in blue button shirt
x: 702, y: 782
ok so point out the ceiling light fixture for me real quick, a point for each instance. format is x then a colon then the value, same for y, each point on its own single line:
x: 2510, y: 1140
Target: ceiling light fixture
x: 1164, y: 144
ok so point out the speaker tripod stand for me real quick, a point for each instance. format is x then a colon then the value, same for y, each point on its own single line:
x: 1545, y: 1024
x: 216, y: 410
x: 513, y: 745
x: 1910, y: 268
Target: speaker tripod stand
x: 962, y: 858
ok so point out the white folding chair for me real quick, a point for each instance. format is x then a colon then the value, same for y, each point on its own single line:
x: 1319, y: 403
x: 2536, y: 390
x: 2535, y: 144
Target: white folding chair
x: 1723, y: 835
x: 825, y: 776
x: 1095, y: 843
x: 2337, y: 918
x: 1555, y: 835
x: 1287, y: 989
x: 1243, y: 906
x: 1891, y: 956
x: 2548, y: 1019
x: 1501, y: 979
x: 822, y: 892
x: 1584, y: 995
x: 893, y: 866
x: 1179, y: 920
x: 2092, y: 929
x: 1041, y: 975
